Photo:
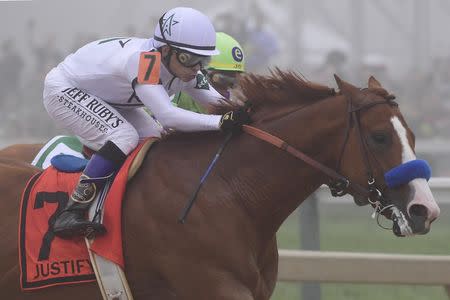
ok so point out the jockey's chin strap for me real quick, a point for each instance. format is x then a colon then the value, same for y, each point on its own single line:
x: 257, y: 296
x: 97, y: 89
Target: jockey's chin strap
x: 339, y: 185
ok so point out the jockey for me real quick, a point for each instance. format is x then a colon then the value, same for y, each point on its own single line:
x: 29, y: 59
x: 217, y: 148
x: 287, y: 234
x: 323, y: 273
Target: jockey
x: 223, y: 71
x: 99, y: 94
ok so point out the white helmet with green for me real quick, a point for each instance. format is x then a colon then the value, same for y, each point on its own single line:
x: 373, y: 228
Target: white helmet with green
x: 231, y: 56
x: 187, y: 29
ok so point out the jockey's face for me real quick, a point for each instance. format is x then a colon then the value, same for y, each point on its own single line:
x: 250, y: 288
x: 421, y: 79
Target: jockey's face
x: 178, y: 69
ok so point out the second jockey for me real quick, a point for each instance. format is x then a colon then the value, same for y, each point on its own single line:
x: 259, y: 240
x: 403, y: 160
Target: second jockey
x: 223, y: 71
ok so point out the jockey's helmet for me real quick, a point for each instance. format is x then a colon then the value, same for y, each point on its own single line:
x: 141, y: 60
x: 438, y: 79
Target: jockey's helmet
x: 187, y: 29
x: 231, y: 57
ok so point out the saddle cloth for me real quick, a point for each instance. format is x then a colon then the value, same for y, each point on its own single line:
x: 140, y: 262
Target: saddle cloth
x: 46, y: 260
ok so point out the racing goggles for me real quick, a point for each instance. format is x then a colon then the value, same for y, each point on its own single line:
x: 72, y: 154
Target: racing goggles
x: 189, y: 60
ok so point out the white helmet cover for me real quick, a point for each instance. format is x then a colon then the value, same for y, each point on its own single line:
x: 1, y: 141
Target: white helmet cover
x: 188, y: 29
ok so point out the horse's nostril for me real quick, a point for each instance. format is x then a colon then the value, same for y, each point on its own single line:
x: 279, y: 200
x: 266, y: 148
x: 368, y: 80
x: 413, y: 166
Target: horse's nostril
x: 418, y: 211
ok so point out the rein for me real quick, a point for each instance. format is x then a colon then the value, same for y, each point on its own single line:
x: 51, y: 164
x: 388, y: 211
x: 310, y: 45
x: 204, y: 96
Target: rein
x: 341, y: 180
x: 340, y: 184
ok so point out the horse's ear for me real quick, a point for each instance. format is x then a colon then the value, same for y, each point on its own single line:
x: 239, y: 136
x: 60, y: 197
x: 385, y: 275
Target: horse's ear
x: 345, y: 87
x: 373, y: 83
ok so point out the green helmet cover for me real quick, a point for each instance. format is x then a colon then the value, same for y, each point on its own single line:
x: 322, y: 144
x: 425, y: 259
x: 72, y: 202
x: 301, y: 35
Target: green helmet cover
x: 231, y: 57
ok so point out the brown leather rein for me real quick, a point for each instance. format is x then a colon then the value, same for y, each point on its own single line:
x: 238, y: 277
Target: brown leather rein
x: 340, y: 184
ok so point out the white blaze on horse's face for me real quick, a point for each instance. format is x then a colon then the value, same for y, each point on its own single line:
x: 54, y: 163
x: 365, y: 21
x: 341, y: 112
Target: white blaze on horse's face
x: 422, y: 195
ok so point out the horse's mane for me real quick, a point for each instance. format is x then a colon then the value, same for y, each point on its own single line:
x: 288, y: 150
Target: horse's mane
x: 280, y: 87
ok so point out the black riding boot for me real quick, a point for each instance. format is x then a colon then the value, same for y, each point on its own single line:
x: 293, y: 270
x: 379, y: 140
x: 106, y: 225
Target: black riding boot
x: 72, y: 220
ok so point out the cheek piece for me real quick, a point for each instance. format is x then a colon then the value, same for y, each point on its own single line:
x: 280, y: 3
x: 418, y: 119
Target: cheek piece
x: 406, y: 172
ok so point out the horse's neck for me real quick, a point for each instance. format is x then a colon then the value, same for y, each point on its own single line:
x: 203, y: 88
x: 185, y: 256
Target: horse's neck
x: 262, y: 182
x: 273, y: 188
x: 270, y: 183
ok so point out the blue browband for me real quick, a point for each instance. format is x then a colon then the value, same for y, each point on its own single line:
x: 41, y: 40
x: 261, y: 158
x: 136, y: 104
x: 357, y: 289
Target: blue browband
x: 406, y: 172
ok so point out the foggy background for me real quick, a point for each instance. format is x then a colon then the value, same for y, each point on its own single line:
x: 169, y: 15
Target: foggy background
x: 404, y: 43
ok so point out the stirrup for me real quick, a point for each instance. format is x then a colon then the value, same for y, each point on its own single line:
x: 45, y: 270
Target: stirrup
x: 85, y: 191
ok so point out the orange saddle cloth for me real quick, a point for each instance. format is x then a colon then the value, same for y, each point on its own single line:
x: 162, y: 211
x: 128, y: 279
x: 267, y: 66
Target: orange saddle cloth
x: 46, y: 260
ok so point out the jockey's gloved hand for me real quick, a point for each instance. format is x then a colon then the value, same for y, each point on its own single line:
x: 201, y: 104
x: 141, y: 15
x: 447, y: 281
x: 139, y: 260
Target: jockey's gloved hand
x: 233, y: 120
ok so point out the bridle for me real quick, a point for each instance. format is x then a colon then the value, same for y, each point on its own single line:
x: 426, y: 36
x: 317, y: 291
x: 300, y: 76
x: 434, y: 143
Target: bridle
x: 339, y: 185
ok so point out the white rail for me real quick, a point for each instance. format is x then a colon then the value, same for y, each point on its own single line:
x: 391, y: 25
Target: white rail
x: 353, y: 267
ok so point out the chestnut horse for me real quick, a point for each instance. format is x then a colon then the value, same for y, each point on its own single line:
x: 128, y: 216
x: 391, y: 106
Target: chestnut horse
x: 23, y: 152
x: 227, y: 248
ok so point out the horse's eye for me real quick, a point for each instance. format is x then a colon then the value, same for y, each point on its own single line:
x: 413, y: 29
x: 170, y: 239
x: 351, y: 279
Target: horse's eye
x: 380, y: 138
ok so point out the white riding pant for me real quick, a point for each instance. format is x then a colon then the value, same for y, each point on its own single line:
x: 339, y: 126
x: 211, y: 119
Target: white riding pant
x: 93, y: 120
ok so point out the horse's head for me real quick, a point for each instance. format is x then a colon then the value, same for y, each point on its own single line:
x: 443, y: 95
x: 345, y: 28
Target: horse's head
x: 357, y: 137
x: 378, y: 154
